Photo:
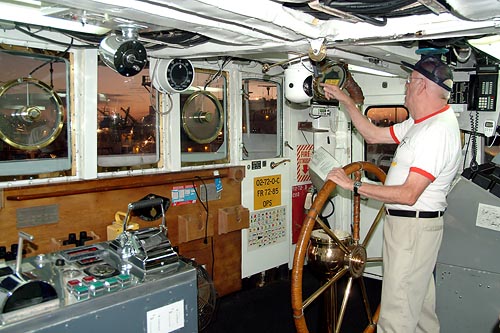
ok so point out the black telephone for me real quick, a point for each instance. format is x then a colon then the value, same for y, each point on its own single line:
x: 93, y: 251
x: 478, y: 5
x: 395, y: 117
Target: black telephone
x: 483, y: 89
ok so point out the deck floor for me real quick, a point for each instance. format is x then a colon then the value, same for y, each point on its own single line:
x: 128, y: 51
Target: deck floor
x: 266, y: 307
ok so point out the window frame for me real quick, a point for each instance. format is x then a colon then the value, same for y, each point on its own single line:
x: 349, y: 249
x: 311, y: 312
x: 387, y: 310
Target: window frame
x: 278, y: 152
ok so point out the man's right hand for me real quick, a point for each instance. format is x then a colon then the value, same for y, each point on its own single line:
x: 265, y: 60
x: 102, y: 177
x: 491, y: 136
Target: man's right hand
x: 333, y: 91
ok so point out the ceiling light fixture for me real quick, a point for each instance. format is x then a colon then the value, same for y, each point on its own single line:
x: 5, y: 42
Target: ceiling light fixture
x: 489, y: 45
x: 368, y: 70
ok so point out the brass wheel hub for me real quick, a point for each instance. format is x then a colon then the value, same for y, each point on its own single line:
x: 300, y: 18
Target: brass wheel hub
x: 357, y: 261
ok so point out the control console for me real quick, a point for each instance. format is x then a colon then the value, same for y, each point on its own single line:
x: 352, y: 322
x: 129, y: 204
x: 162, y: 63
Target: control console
x: 135, y: 283
x: 82, y: 284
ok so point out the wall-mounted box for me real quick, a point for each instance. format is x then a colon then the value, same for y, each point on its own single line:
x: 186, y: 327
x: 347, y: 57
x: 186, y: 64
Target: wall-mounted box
x: 233, y: 218
x: 194, y: 226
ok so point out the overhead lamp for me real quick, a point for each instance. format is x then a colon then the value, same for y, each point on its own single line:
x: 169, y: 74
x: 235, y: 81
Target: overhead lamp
x: 368, y: 70
x: 123, y: 54
x: 489, y: 45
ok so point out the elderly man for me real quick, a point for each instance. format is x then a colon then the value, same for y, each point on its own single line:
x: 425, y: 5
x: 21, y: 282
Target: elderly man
x: 425, y: 164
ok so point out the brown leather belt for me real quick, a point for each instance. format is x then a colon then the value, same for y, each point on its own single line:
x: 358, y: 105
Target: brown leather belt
x: 412, y: 213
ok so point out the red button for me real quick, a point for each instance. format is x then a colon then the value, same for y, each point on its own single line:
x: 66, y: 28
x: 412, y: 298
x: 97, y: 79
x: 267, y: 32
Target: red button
x: 88, y: 279
x: 73, y: 283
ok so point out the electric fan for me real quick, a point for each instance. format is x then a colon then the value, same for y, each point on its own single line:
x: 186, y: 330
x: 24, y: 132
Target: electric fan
x: 207, y: 295
x: 31, y: 114
x: 202, y: 117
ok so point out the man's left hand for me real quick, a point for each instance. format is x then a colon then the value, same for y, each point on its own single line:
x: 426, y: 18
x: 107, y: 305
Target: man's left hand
x: 338, y: 176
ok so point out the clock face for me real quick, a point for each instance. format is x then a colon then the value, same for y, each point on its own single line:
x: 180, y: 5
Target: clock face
x: 172, y: 75
x: 180, y: 74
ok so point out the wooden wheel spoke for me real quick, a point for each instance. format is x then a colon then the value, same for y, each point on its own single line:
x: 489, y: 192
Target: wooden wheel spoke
x: 324, y: 287
x: 354, y: 254
x: 373, y: 325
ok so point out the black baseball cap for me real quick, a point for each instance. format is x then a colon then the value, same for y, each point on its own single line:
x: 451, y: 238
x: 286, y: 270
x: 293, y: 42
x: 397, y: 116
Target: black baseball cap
x: 434, y: 69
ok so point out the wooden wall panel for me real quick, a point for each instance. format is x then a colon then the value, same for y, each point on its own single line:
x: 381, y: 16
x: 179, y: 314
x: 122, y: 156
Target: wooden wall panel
x: 91, y: 206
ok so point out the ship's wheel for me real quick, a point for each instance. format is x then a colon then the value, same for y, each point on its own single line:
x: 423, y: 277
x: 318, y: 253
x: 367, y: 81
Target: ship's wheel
x: 346, y: 256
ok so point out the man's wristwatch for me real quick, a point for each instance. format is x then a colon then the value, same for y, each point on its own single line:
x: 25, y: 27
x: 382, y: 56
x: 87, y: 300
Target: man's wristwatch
x: 357, y: 185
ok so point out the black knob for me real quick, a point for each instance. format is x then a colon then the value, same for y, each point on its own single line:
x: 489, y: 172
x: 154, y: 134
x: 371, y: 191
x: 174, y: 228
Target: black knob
x: 10, y: 256
x: 72, y: 238
x: 60, y: 262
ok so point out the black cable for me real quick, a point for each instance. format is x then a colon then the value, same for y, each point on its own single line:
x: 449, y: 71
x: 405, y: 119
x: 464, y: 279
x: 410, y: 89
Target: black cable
x: 213, y: 257
x: 330, y: 200
x: 51, y: 71
x: 91, y: 39
x: 62, y: 54
x: 50, y: 40
x: 218, y: 74
x: 313, y: 116
x: 308, y: 69
x: 379, y: 23
x: 474, y: 123
x: 466, y: 151
x: 420, y: 10
x: 374, y: 9
x: 350, y: 2
x: 205, y: 205
x: 307, y: 141
x: 371, y: 8
x: 375, y: 12
x: 40, y: 66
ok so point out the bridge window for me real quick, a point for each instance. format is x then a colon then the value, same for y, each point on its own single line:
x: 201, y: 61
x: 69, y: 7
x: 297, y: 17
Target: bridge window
x: 127, y: 121
x: 383, y: 116
x: 34, y: 117
x: 203, y: 124
x: 261, y: 127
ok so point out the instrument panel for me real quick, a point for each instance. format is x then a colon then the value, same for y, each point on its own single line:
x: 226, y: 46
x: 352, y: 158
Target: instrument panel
x: 97, y: 287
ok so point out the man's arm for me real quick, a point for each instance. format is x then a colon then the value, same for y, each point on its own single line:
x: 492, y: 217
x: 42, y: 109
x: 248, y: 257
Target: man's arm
x: 405, y: 194
x: 370, y: 132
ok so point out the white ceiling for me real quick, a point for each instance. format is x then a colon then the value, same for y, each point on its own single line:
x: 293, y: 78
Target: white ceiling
x: 258, y: 29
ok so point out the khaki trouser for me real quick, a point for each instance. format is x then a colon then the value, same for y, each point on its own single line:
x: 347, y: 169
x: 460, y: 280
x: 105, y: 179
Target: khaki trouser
x: 410, y: 252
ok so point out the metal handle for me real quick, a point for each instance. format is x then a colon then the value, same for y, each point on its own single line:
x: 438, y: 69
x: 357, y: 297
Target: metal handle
x: 145, y: 203
x: 275, y: 164
x: 19, y: 257
x: 288, y: 145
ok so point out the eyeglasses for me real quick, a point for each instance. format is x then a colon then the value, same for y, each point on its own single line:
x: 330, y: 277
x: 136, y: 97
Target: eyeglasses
x: 409, y: 79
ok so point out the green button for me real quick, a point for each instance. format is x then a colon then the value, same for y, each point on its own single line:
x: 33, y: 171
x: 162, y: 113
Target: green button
x: 97, y: 284
x: 81, y: 289
x: 112, y: 280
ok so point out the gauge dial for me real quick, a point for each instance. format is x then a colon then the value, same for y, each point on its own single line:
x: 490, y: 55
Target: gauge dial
x: 180, y: 74
x: 173, y: 76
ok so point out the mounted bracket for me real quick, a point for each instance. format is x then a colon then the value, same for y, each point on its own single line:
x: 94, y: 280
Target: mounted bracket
x: 317, y: 52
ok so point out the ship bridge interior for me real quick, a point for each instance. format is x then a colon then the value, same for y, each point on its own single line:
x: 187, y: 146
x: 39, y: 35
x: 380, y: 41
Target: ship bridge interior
x: 163, y: 163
